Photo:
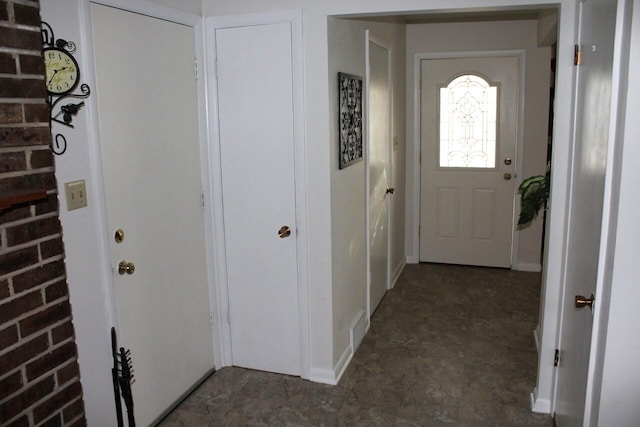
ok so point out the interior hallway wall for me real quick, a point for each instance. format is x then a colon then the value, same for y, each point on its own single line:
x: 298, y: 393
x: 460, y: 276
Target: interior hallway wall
x: 347, y: 44
x: 486, y: 36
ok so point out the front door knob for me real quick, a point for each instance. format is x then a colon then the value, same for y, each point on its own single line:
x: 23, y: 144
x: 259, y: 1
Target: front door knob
x: 582, y: 301
x: 507, y: 176
x: 126, y: 267
x: 284, y: 231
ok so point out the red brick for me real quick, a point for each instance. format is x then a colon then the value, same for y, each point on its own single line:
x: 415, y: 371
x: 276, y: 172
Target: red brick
x: 56, y: 291
x: 33, y: 230
x: 26, y: 15
x: 12, y: 162
x: 10, y: 113
x: 24, y: 353
x: 15, y: 213
x: 21, y: 88
x: 20, y: 39
x: 23, y: 421
x: 38, y: 181
x: 42, y: 319
x: 36, y: 113
x: 4, y: 13
x: 50, y: 204
x: 22, y: 137
x: 37, y: 276
x: 56, y: 402
x: 14, y: 308
x: 51, y: 360
x: 4, y: 289
x: 17, y: 260
x: 26, y: 399
x: 82, y: 422
x: 73, y: 410
x: 7, y: 63
x: 55, y: 421
x: 67, y: 373
x: 41, y: 159
x: 51, y: 248
x: 30, y: 64
x: 8, y: 336
x: 10, y: 385
x: 62, y: 332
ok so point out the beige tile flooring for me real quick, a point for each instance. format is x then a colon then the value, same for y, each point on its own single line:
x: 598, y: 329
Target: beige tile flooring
x: 448, y: 346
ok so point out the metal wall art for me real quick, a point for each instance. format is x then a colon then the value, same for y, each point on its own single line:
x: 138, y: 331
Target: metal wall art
x: 62, y: 78
x: 350, y: 119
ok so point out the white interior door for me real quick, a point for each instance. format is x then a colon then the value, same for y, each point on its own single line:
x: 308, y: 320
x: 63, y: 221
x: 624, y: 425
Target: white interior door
x: 469, y: 116
x: 146, y: 96
x: 589, y: 164
x: 255, y: 101
x: 379, y: 94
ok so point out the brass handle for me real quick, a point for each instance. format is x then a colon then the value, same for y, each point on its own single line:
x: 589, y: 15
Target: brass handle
x: 284, y: 231
x: 581, y: 301
x: 507, y: 176
x: 390, y: 190
x: 126, y: 267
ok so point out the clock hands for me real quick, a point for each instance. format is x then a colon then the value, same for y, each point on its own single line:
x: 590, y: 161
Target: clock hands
x: 56, y: 72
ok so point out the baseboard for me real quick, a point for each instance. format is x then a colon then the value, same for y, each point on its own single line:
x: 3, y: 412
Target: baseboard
x: 529, y: 266
x: 358, y: 330
x: 542, y: 406
x: 412, y: 260
x: 332, y: 377
x: 397, y: 272
x: 343, y: 362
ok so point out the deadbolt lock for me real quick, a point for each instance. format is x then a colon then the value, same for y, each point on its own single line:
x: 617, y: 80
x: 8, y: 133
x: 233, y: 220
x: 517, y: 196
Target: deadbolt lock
x: 507, y: 161
x: 118, y: 235
x: 126, y: 267
x: 581, y: 301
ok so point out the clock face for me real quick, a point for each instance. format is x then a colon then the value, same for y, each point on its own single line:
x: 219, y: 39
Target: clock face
x: 62, y: 71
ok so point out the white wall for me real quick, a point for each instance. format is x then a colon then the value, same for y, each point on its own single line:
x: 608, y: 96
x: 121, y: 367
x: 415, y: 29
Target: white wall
x: 346, y: 48
x: 486, y: 36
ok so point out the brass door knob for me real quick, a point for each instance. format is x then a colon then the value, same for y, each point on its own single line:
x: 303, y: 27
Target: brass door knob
x: 390, y: 190
x: 507, y: 176
x: 126, y: 267
x: 284, y: 231
x: 582, y: 301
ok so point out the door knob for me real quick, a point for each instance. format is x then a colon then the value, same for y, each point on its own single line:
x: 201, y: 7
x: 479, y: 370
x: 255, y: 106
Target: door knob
x: 126, y: 267
x: 507, y: 161
x: 582, y: 301
x: 507, y: 176
x: 284, y: 231
x: 390, y: 190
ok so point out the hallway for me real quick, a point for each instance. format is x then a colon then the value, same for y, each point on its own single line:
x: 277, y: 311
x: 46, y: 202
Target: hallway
x: 449, y: 345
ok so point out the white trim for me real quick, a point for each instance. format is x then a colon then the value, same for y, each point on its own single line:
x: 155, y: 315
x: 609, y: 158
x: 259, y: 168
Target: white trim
x: 343, y: 363
x: 358, y: 329
x: 534, y: 267
x: 323, y: 376
x: 542, y: 406
x: 294, y: 18
x: 414, y: 157
x: 397, y: 272
x: 153, y: 10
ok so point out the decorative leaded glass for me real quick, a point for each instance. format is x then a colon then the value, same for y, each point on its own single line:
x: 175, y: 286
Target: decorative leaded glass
x: 468, y: 112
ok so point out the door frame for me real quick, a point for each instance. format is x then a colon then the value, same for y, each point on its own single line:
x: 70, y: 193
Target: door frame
x: 520, y: 54
x: 220, y: 314
x: 373, y: 38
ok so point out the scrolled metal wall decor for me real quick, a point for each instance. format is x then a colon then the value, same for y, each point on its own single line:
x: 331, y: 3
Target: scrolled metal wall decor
x: 61, y: 78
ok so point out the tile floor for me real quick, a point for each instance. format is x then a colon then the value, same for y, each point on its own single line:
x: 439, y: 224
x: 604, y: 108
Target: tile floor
x: 448, y: 346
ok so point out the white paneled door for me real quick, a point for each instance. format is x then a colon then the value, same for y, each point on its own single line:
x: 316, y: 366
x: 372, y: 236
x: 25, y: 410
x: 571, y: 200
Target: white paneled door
x: 593, y: 106
x: 254, y: 70
x: 148, y: 119
x: 469, y: 116
x: 379, y: 93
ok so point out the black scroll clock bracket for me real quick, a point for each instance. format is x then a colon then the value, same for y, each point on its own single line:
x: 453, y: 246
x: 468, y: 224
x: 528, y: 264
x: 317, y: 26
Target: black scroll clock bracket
x: 62, y: 78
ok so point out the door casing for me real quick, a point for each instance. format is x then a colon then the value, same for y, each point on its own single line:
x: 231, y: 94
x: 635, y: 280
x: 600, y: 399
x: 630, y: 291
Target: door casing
x: 221, y: 313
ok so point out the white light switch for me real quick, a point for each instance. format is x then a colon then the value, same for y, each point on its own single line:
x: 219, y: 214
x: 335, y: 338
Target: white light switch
x: 76, y: 194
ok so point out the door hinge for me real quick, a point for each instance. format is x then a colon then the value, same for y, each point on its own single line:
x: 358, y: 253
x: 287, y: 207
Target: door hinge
x: 556, y: 358
x: 195, y: 65
x: 577, y: 55
x: 202, y: 199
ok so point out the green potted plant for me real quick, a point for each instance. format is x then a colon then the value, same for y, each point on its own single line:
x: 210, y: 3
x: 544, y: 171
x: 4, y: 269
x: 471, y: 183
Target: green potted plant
x: 534, y: 192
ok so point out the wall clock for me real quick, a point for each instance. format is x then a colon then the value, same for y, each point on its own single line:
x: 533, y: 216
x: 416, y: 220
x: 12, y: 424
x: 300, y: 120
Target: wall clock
x: 62, y: 75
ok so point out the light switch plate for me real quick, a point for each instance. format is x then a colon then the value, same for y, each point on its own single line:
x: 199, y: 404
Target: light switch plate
x: 76, y: 194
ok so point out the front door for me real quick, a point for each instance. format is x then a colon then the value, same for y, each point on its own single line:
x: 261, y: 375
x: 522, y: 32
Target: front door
x: 256, y: 131
x: 598, y: 20
x: 469, y: 116
x: 379, y: 94
x: 146, y: 96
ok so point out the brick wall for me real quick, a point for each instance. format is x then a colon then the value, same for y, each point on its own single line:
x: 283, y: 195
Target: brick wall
x: 39, y: 377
